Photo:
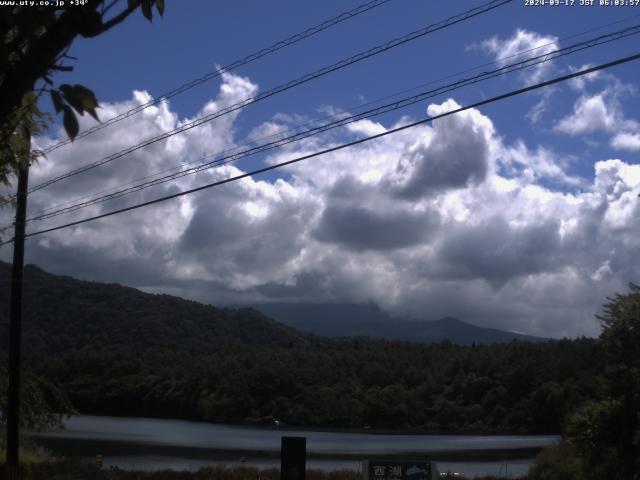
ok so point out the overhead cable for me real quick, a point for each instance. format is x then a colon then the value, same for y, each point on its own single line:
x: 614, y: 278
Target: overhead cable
x: 229, y: 151
x: 281, y: 88
x: 503, y: 96
x: 227, y: 68
x: 517, y: 66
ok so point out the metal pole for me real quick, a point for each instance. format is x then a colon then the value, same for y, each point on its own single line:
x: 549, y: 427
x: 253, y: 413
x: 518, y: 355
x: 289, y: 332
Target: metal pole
x: 293, y: 457
x: 15, y: 320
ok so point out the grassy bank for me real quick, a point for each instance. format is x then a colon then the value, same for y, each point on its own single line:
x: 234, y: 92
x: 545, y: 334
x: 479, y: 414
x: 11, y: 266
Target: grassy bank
x: 30, y: 452
x: 76, y: 470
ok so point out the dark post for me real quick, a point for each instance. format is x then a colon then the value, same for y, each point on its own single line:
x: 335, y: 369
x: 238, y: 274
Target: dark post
x: 293, y: 456
x: 15, y: 320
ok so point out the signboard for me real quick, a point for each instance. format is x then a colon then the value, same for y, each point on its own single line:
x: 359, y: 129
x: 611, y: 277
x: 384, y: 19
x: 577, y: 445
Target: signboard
x: 399, y: 470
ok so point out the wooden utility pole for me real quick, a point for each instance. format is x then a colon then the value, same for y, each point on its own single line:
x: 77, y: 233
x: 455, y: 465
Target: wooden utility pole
x: 15, y: 324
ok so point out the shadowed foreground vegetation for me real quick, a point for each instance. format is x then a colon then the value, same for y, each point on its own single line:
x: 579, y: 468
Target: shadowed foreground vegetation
x: 601, y: 439
x: 75, y: 470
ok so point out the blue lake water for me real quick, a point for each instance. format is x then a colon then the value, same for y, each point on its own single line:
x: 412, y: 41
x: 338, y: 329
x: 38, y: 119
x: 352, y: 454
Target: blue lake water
x: 152, y: 444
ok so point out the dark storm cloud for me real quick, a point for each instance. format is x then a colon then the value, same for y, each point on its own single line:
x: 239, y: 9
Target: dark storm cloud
x: 455, y: 157
x: 362, y: 217
x: 92, y: 264
x: 358, y: 227
x: 497, y: 252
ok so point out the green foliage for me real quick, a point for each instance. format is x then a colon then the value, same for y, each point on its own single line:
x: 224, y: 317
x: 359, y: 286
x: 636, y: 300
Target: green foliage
x: 15, y: 148
x: 621, y: 339
x: 41, y: 401
x: 30, y: 452
x: 603, y: 435
x: 558, y: 462
x: 16, y: 152
x: 606, y: 432
x: 80, y: 98
x: 597, y: 432
x: 34, y: 41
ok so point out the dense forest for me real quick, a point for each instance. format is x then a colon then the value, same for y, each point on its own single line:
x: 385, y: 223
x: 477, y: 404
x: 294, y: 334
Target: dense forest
x: 516, y: 387
x: 119, y: 351
x: 106, y: 349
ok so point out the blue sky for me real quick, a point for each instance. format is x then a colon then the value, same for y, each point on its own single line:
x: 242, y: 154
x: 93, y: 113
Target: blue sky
x: 520, y: 215
x: 196, y: 35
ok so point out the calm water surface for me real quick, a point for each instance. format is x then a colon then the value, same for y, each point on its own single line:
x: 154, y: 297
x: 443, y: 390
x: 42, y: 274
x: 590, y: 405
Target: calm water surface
x: 152, y: 444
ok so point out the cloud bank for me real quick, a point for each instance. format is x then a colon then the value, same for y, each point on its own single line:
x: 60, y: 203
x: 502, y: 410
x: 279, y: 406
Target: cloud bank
x: 439, y: 220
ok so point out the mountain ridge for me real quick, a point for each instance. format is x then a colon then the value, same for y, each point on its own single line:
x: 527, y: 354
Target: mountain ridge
x: 62, y: 313
x: 351, y: 320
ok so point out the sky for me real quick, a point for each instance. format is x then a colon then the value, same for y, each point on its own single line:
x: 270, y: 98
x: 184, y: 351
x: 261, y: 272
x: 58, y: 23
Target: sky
x: 521, y: 215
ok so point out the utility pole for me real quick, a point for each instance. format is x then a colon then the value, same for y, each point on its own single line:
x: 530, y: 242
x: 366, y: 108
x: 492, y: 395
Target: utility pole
x: 15, y: 321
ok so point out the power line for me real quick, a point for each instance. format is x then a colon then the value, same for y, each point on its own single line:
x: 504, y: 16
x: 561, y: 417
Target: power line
x: 232, y: 66
x: 517, y: 66
x: 499, y: 60
x: 503, y: 96
x: 518, y: 54
x: 281, y: 88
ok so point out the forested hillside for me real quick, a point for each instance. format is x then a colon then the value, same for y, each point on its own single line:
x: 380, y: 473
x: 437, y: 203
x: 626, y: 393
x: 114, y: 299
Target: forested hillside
x: 517, y: 387
x: 64, y: 314
x: 119, y: 351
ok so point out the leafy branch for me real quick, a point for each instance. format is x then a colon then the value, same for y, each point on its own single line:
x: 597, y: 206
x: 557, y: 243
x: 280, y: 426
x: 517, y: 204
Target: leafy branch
x: 34, y: 44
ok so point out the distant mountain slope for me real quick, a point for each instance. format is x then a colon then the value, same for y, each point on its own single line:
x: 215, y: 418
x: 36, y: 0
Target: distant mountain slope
x: 64, y: 314
x: 348, y: 320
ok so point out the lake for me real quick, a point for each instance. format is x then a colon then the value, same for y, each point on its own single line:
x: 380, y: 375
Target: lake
x: 152, y: 444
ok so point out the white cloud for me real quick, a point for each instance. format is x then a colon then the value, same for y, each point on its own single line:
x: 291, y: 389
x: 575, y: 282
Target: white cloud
x: 603, y: 112
x: 580, y: 83
x: 523, y: 45
x: 590, y: 114
x: 520, y: 46
x: 433, y: 221
x: 626, y: 141
x: 534, y: 115
x: 533, y: 166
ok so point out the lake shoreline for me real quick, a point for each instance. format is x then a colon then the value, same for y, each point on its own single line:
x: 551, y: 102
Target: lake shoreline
x: 154, y: 444
x: 333, y: 429
x: 88, y: 448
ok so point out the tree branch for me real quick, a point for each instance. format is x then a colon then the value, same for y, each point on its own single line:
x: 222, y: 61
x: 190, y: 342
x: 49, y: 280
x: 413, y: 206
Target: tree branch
x: 121, y: 17
x: 108, y: 7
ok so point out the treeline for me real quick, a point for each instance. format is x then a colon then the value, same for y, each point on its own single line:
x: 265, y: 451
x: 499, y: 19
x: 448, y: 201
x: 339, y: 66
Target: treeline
x: 106, y: 347
x: 515, y: 387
